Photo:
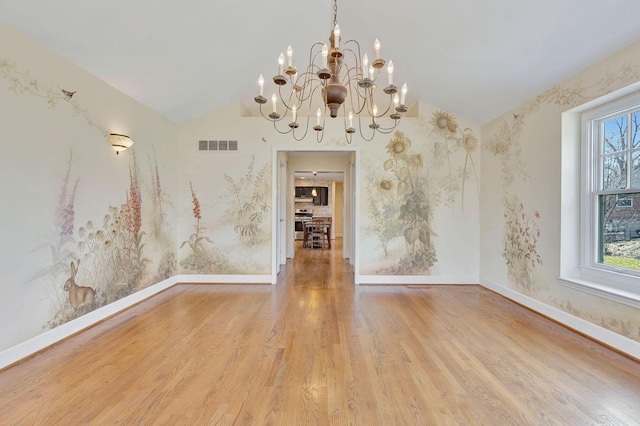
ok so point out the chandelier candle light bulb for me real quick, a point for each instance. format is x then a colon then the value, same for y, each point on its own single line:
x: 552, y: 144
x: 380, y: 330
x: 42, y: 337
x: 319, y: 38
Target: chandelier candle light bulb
x: 350, y: 119
x: 325, y: 53
x: 404, y: 94
x: 274, y: 99
x: 376, y: 46
x: 319, y: 115
x: 290, y: 56
x: 390, y: 72
x: 396, y: 100
x: 365, y: 65
x: 374, y: 125
x: 261, y: 84
x: 281, y: 64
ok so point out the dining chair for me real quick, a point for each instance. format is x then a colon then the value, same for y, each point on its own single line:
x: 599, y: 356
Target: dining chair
x: 317, y: 233
x: 327, y: 230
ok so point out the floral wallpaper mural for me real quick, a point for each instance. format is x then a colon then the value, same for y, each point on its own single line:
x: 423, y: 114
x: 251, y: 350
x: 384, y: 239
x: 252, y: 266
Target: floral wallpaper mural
x: 410, y: 184
x: 240, y: 220
x: 413, y: 209
x: 21, y: 82
x: 202, y: 257
x: 101, y: 261
x: 249, y: 202
x: 521, y: 230
x: 94, y: 232
x: 451, y: 140
x: 520, y: 239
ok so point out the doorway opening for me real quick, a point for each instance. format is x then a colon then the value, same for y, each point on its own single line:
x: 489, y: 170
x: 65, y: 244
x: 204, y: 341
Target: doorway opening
x: 327, y: 188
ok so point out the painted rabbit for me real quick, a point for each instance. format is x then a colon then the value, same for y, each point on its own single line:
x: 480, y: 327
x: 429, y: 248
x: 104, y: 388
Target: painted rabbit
x: 78, y: 295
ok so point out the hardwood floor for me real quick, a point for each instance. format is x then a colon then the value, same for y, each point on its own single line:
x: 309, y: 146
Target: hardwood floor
x: 316, y: 350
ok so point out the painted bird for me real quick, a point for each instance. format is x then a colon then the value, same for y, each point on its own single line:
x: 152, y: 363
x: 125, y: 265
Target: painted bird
x: 67, y: 93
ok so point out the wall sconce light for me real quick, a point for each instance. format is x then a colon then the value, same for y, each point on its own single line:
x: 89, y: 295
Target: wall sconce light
x: 119, y: 142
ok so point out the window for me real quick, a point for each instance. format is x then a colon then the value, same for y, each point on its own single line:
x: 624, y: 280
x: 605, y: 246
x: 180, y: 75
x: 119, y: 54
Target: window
x: 600, y: 235
x: 613, y: 135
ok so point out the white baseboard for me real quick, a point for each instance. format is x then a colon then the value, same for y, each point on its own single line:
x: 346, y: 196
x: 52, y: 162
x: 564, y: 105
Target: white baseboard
x: 225, y: 279
x: 600, y: 334
x: 416, y: 279
x: 49, y: 337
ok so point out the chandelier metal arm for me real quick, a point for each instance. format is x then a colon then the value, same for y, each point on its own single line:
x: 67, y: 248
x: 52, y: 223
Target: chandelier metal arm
x: 294, y: 125
x: 292, y: 130
x: 373, y: 132
x: 270, y: 117
x: 314, y: 56
x: 288, y: 105
x: 387, y: 130
x: 357, y: 97
x: 307, y: 83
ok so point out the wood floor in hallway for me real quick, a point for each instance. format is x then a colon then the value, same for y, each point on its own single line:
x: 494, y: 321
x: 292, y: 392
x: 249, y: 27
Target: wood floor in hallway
x: 317, y: 350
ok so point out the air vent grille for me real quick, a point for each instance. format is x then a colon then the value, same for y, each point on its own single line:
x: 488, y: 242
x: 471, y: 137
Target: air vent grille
x: 217, y: 145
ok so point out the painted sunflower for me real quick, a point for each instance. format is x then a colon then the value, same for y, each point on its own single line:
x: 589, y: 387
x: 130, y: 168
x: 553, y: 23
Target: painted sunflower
x: 469, y: 142
x: 398, y: 145
x: 443, y: 123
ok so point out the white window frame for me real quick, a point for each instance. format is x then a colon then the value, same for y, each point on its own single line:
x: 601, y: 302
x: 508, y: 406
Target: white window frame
x: 619, y: 284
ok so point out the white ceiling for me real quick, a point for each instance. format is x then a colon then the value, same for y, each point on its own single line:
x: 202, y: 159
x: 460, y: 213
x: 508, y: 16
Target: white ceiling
x: 313, y: 159
x: 319, y: 174
x: 475, y: 59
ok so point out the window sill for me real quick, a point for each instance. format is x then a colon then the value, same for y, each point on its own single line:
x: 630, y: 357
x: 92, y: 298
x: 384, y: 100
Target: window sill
x: 612, y: 291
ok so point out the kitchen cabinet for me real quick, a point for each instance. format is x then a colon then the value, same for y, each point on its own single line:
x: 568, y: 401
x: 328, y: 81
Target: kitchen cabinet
x: 305, y: 194
x: 303, y: 191
x: 322, y: 196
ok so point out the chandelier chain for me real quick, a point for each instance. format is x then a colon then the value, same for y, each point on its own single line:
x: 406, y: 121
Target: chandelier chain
x: 335, y: 12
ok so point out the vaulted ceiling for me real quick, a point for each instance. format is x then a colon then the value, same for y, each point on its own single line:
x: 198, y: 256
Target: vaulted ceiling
x: 476, y: 59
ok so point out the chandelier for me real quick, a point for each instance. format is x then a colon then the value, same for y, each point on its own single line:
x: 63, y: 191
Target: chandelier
x: 339, y: 81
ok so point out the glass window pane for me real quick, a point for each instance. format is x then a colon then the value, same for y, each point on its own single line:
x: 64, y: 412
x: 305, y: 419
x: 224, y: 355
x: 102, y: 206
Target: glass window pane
x: 620, y: 230
x: 635, y: 169
x: 615, y: 132
x: 624, y: 200
x: 614, y: 172
x: 635, y: 129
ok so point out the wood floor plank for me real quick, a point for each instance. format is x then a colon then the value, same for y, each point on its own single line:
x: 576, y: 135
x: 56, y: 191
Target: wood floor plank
x: 316, y: 349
